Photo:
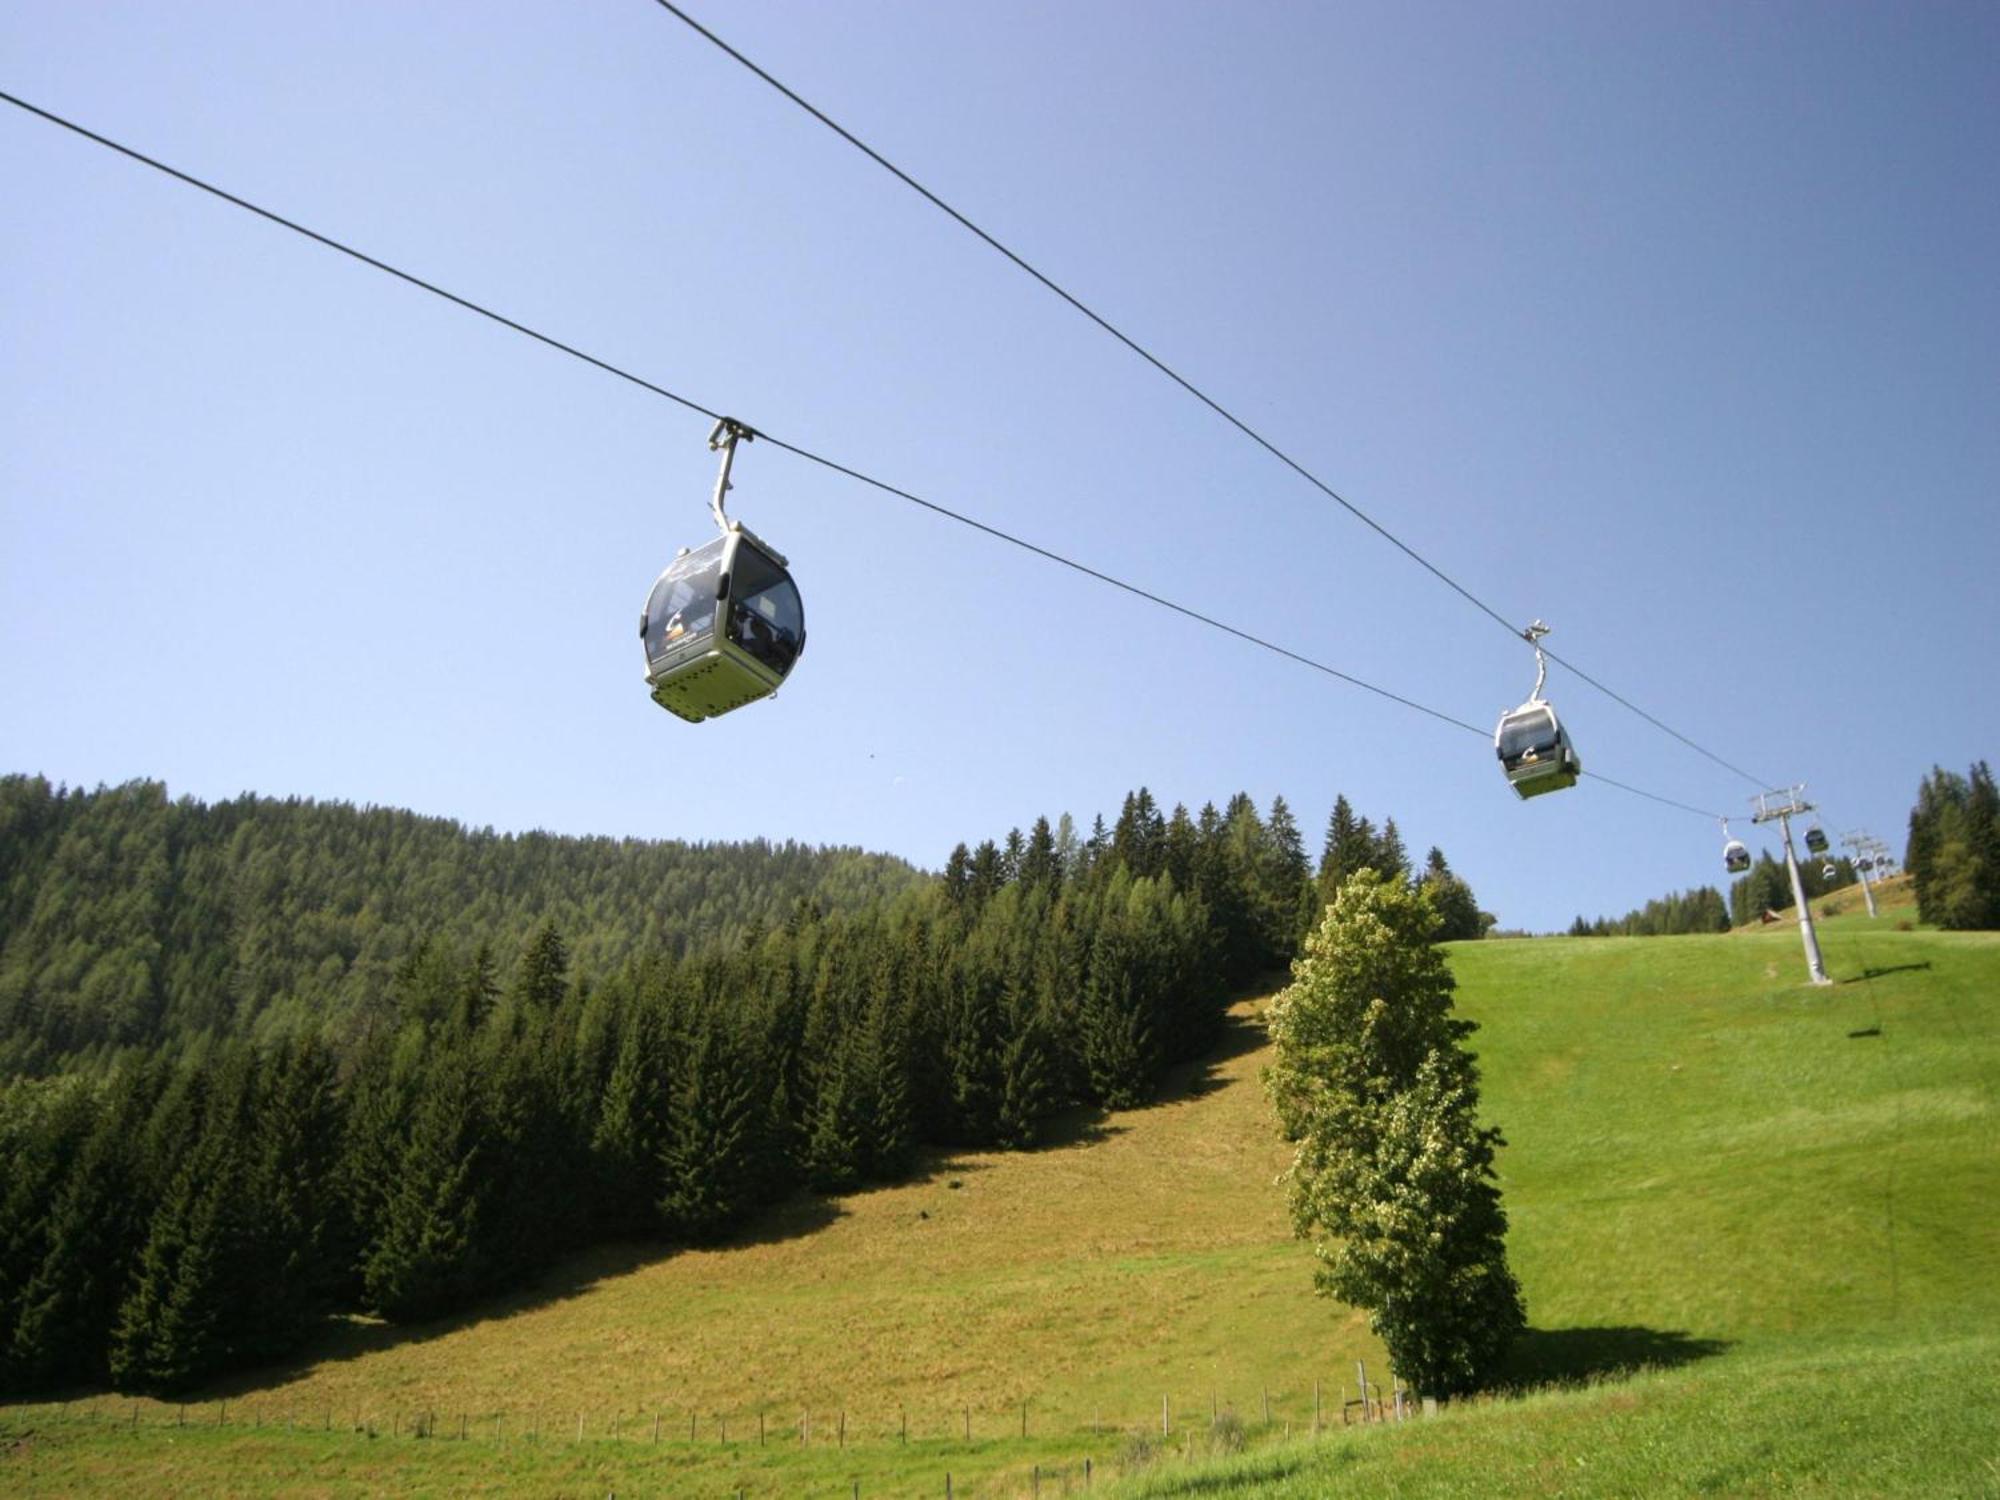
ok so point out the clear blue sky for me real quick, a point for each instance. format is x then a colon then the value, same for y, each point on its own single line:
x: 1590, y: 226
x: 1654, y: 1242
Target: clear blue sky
x: 1675, y: 325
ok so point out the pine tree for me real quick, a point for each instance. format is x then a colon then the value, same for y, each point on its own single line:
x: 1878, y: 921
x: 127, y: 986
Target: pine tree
x: 884, y: 1044
x: 958, y: 875
x: 1011, y: 854
x: 1039, y: 867
x: 1138, y: 841
x: 988, y: 875
x: 294, y: 1231
x: 543, y: 976
x: 478, y: 990
x: 1350, y: 846
x: 626, y: 1141
x: 1117, y: 1044
x: 1390, y: 856
x: 1026, y: 1069
x: 1954, y: 850
x: 708, y: 1155
x: 174, y: 1327
x: 96, y: 1224
x: 427, y: 1258
x: 42, y: 1151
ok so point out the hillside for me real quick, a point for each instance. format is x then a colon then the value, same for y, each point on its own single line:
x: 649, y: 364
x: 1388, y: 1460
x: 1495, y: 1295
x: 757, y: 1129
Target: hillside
x: 1781, y: 1196
x: 129, y: 918
x: 1895, y: 902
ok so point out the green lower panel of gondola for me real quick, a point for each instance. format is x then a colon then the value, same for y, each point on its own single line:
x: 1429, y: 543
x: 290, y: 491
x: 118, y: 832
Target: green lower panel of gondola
x: 713, y: 683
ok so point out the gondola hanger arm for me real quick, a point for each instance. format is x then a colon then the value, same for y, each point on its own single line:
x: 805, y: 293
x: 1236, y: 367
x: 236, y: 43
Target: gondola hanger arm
x: 1533, y: 636
x: 728, y: 432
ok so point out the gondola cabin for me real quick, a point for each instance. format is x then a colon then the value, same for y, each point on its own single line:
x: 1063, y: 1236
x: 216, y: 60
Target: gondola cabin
x: 1735, y: 858
x: 1816, y: 840
x: 723, y: 627
x: 1535, y: 751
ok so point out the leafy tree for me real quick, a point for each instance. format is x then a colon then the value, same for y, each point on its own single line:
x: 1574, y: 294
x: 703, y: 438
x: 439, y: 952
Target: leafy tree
x: 1392, y: 1176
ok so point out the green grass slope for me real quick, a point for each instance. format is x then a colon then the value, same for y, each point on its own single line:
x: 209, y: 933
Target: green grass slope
x: 1783, y: 1197
x: 1786, y: 1198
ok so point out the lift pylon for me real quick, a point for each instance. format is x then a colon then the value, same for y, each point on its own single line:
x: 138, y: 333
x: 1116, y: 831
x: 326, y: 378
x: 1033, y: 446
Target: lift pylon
x: 1781, y: 807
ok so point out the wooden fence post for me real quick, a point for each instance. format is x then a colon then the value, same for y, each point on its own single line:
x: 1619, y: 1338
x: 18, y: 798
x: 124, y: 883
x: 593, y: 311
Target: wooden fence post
x: 1316, y: 1406
x: 656, y: 1429
x: 1163, y: 1416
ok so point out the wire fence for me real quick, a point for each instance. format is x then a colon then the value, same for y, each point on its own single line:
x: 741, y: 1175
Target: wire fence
x: 1309, y: 1408
x: 1111, y: 1446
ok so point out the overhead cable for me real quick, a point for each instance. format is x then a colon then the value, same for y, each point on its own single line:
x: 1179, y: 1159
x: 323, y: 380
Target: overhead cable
x: 373, y: 262
x: 1182, y: 381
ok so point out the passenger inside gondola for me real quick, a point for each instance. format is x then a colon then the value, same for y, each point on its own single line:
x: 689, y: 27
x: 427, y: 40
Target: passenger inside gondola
x: 764, y: 612
x: 1528, y: 732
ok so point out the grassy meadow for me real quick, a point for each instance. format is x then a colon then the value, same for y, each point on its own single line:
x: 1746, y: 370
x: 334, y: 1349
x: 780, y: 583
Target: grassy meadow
x: 1782, y: 1201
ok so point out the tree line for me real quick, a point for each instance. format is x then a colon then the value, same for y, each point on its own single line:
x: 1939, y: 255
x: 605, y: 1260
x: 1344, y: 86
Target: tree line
x: 1953, y: 855
x: 1764, y: 887
x: 129, y: 919
x: 207, y: 1202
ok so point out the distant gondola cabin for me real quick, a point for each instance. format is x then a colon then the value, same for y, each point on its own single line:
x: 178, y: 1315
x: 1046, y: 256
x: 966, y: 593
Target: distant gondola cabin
x: 1535, y: 750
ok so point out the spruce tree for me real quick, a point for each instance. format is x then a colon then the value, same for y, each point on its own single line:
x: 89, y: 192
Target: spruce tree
x: 1039, y: 869
x: 1390, y: 856
x: 708, y: 1153
x: 626, y: 1141
x: 175, y: 1326
x: 427, y: 1258
x: 1117, y: 1043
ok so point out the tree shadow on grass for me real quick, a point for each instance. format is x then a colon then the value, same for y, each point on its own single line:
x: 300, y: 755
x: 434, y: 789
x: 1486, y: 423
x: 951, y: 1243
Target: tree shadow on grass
x: 355, y: 1337
x: 1088, y: 1124
x: 1867, y: 974
x: 1581, y: 1356
x: 1238, y: 1034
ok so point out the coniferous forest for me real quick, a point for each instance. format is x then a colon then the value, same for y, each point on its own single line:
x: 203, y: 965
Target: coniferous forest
x: 263, y: 1063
